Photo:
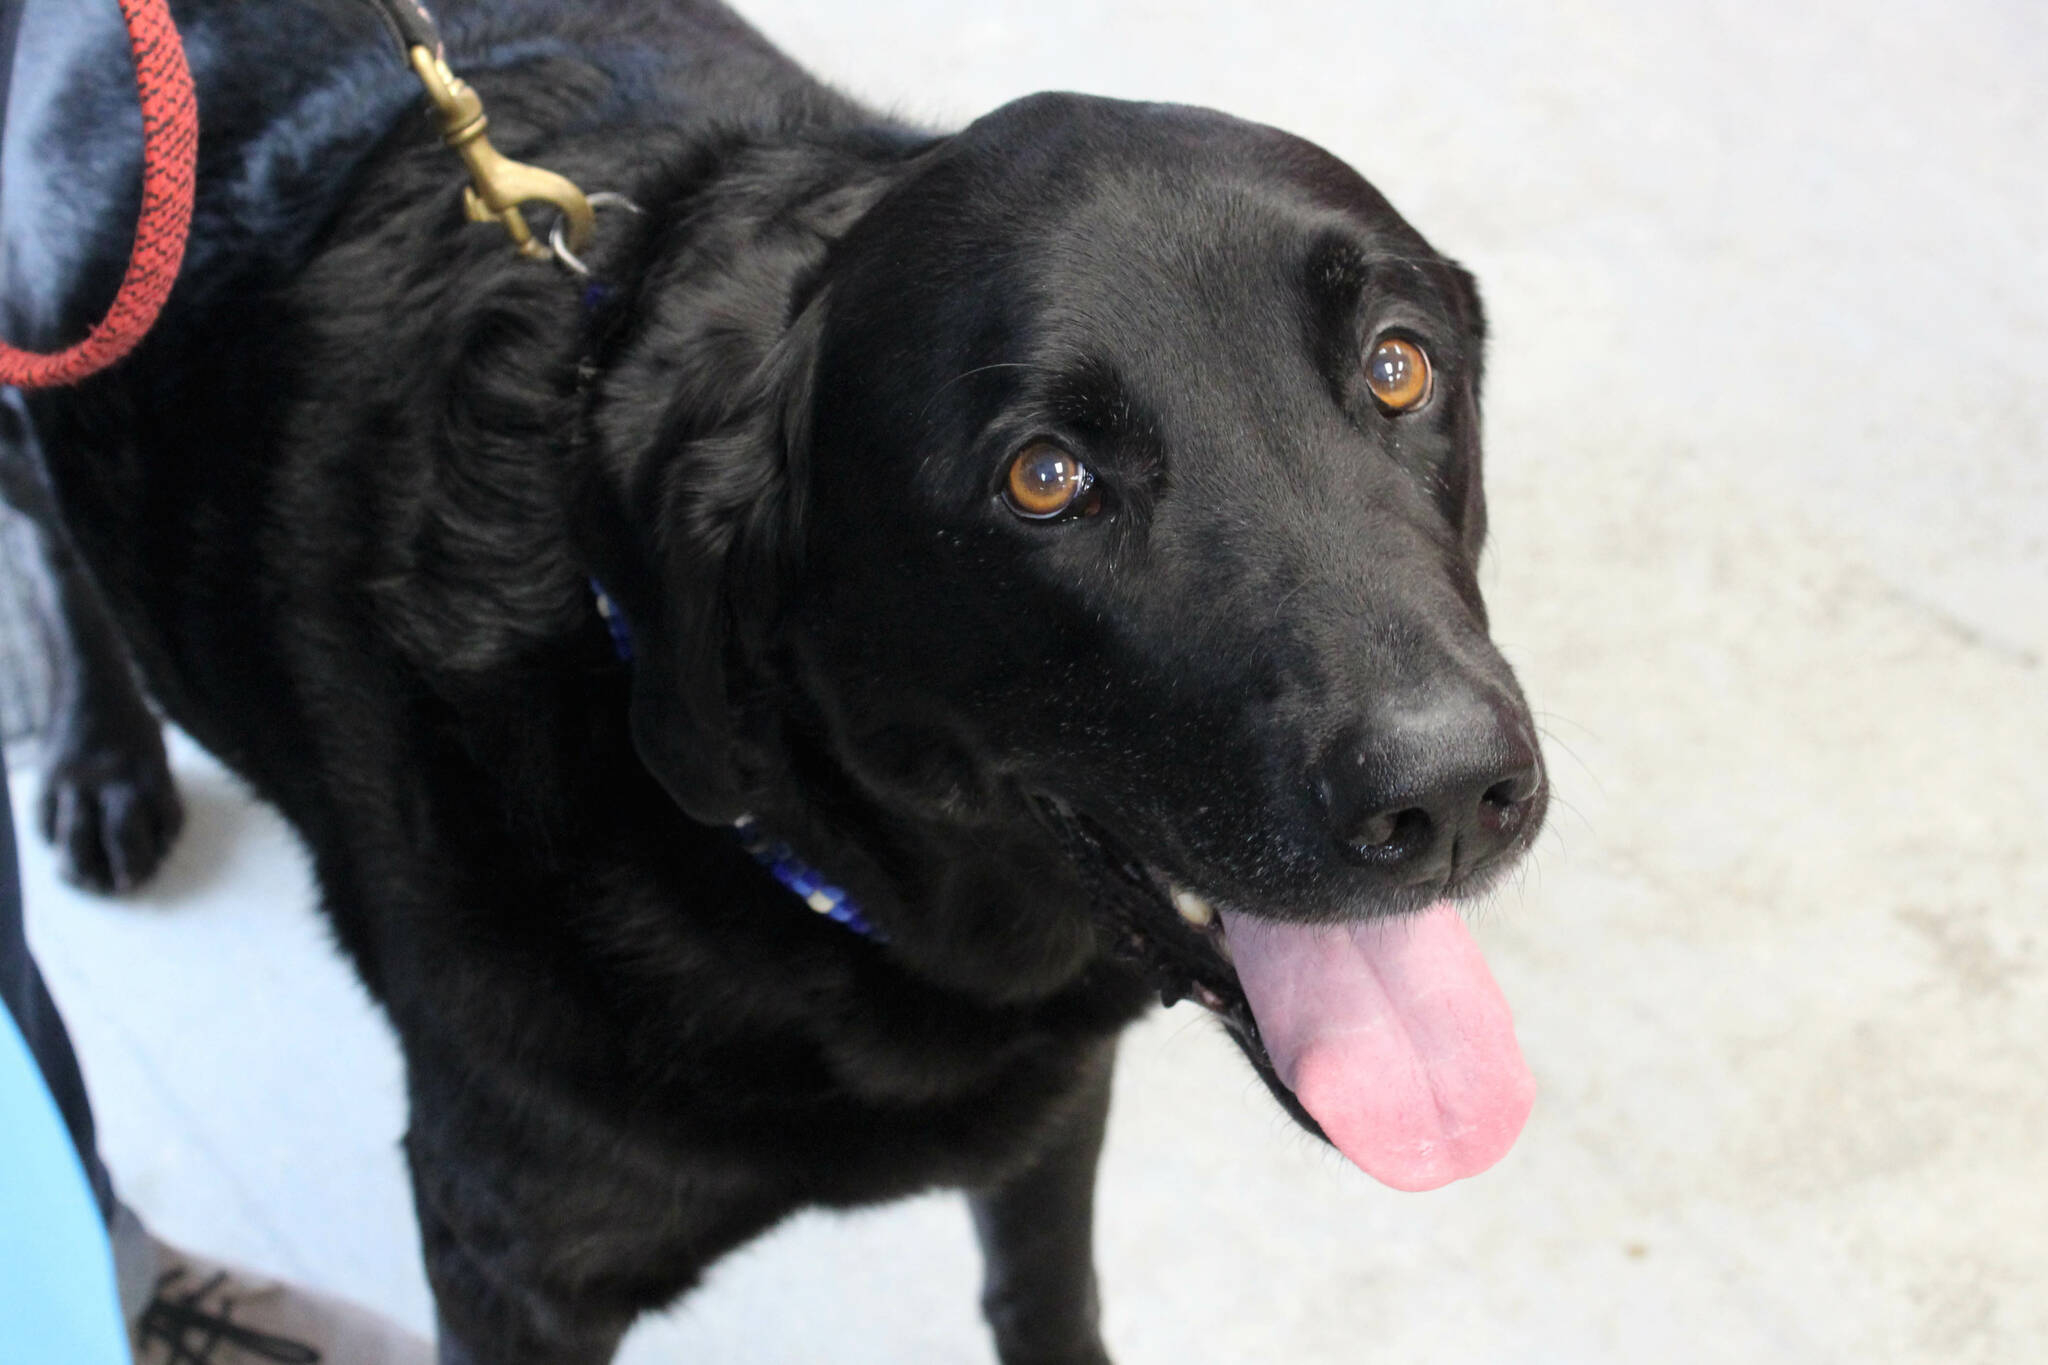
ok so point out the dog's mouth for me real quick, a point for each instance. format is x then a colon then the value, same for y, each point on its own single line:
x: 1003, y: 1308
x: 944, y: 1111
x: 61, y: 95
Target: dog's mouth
x: 1388, y: 1037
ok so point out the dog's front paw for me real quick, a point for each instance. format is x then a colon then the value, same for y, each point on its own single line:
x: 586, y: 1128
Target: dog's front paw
x: 1089, y: 1354
x: 111, y: 810
x: 1039, y: 1345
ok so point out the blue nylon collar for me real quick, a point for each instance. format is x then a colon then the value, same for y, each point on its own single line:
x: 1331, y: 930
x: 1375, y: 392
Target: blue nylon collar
x: 805, y: 881
x: 778, y: 858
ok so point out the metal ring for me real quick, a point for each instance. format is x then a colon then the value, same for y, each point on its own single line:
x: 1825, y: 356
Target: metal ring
x: 558, y: 243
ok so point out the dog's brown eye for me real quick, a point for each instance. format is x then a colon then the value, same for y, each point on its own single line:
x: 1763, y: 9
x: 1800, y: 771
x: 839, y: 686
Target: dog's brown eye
x: 1397, y: 372
x: 1045, y: 481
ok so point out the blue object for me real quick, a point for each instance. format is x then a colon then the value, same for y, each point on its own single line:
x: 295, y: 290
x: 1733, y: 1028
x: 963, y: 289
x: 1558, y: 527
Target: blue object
x: 615, y: 622
x: 57, y: 1295
x: 804, y: 881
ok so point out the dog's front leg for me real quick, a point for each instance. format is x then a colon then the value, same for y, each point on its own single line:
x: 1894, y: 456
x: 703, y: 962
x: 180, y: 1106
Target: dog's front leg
x: 1038, y: 1242
x: 487, y: 1317
x: 545, y: 1236
x: 108, y: 804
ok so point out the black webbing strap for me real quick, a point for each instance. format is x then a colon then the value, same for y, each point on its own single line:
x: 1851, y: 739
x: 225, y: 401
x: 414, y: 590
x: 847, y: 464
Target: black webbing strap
x: 410, y: 24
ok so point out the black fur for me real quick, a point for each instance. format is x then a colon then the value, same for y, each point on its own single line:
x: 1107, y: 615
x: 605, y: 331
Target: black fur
x: 347, y: 502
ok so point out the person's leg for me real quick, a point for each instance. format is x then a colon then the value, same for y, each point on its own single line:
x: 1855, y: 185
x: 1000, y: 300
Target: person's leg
x: 28, y: 1000
x: 56, y: 1294
x: 57, y: 1297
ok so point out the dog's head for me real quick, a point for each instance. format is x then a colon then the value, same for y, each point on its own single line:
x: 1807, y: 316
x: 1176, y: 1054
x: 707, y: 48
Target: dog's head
x: 1122, y: 462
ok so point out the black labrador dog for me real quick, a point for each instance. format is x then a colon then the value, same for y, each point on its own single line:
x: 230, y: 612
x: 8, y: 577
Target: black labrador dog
x: 1047, y: 547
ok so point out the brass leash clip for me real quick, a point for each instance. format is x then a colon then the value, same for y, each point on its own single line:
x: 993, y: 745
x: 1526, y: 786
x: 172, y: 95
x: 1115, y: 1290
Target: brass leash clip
x: 499, y: 185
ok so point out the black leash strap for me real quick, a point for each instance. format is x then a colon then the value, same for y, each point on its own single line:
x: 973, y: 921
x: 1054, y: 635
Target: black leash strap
x: 410, y: 24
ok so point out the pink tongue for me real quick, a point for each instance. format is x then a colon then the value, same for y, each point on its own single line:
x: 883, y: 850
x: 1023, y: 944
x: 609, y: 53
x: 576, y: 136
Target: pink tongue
x: 1394, y: 1036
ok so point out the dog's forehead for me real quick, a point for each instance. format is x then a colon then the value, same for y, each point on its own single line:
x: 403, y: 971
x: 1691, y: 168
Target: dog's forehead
x: 1127, y: 266
x: 1159, y: 180
x: 1168, y: 243
x: 1119, y: 180
x: 1069, y: 206
x: 1044, y: 144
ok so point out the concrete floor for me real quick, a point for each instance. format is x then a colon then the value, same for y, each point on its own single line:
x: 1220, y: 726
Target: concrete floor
x: 1768, y: 438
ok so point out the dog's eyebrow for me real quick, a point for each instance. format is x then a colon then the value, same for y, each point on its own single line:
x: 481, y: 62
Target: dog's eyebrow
x: 1088, y: 395
x: 1340, y: 268
x: 1092, y: 397
x: 969, y: 374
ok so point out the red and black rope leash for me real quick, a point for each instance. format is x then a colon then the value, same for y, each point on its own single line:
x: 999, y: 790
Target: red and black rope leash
x: 170, y: 155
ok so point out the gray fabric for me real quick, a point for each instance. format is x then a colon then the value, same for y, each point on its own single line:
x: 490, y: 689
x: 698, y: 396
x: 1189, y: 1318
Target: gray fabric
x: 25, y: 682
x: 24, y: 661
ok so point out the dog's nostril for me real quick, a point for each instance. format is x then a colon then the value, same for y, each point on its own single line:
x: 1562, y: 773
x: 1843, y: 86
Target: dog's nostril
x: 1512, y: 791
x: 1503, y: 805
x: 1393, y: 833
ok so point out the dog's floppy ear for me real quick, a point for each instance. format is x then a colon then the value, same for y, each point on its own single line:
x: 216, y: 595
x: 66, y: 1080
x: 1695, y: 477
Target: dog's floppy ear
x: 697, y: 536
x: 697, y: 441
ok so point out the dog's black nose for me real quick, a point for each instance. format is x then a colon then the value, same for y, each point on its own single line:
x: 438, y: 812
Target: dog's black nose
x: 1430, y: 791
